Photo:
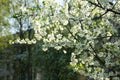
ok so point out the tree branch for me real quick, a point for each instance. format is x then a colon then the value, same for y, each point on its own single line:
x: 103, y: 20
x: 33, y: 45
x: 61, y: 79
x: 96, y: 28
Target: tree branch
x: 99, y: 3
x: 100, y: 15
x: 95, y: 4
x: 108, y: 10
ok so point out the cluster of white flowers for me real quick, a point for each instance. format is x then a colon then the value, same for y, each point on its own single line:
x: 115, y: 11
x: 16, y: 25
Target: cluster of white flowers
x: 55, y: 31
x: 23, y: 41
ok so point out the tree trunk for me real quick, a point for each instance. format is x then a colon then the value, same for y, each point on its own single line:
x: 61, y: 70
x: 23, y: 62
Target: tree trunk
x: 29, y: 65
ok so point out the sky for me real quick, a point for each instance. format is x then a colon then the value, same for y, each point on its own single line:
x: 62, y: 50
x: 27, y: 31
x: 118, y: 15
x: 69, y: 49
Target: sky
x: 60, y: 1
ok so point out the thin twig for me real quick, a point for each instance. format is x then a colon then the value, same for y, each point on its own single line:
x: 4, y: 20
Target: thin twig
x: 97, y: 57
x: 71, y: 32
x: 106, y: 37
x: 114, y: 5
